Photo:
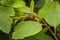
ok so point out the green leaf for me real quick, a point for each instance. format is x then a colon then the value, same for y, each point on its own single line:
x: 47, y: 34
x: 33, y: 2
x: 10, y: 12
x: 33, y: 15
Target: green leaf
x: 39, y: 36
x: 9, y: 11
x: 6, y: 2
x: 24, y: 9
x: 51, y: 13
x: 5, y: 23
x: 5, y: 20
x: 13, y: 3
x: 58, y: 29
x: 32, y: 6
x: 25, y: 29
x: 18, y: 3
x: 18, y: 13
x: 40, y: 3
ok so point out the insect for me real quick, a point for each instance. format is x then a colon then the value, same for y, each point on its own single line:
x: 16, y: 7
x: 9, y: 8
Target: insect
x: 31, y: 17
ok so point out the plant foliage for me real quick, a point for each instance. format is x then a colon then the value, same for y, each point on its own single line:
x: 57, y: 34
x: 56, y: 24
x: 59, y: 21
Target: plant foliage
x: 29, y: 20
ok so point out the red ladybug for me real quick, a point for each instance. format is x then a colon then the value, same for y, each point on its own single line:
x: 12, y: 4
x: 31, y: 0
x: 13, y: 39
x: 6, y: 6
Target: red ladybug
x: 31, y: 17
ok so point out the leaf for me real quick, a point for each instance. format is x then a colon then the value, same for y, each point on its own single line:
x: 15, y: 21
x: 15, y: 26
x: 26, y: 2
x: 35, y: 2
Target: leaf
x: 50, y: 12
x: 18, y: 3
x: 39, y: 36
x: 18, y: 13
x: 9, y: 11
x: 24, y: 9
x: 25, y: 29
x: 40, y: 3
x: 5, y: 23
x: 13, y: 3
x: 5, y: 20
x: 32, y: 6
x: 6, y: 2
x: 58, y: 29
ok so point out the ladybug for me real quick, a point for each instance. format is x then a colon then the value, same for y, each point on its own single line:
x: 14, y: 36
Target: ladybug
x: 31, y: 17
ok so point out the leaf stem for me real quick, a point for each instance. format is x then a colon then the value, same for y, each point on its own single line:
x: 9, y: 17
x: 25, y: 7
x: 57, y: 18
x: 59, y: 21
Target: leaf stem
x: 16, y: 19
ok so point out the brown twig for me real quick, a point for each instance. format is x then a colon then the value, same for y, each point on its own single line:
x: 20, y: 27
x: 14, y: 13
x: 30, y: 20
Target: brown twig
x: 54, y: 35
